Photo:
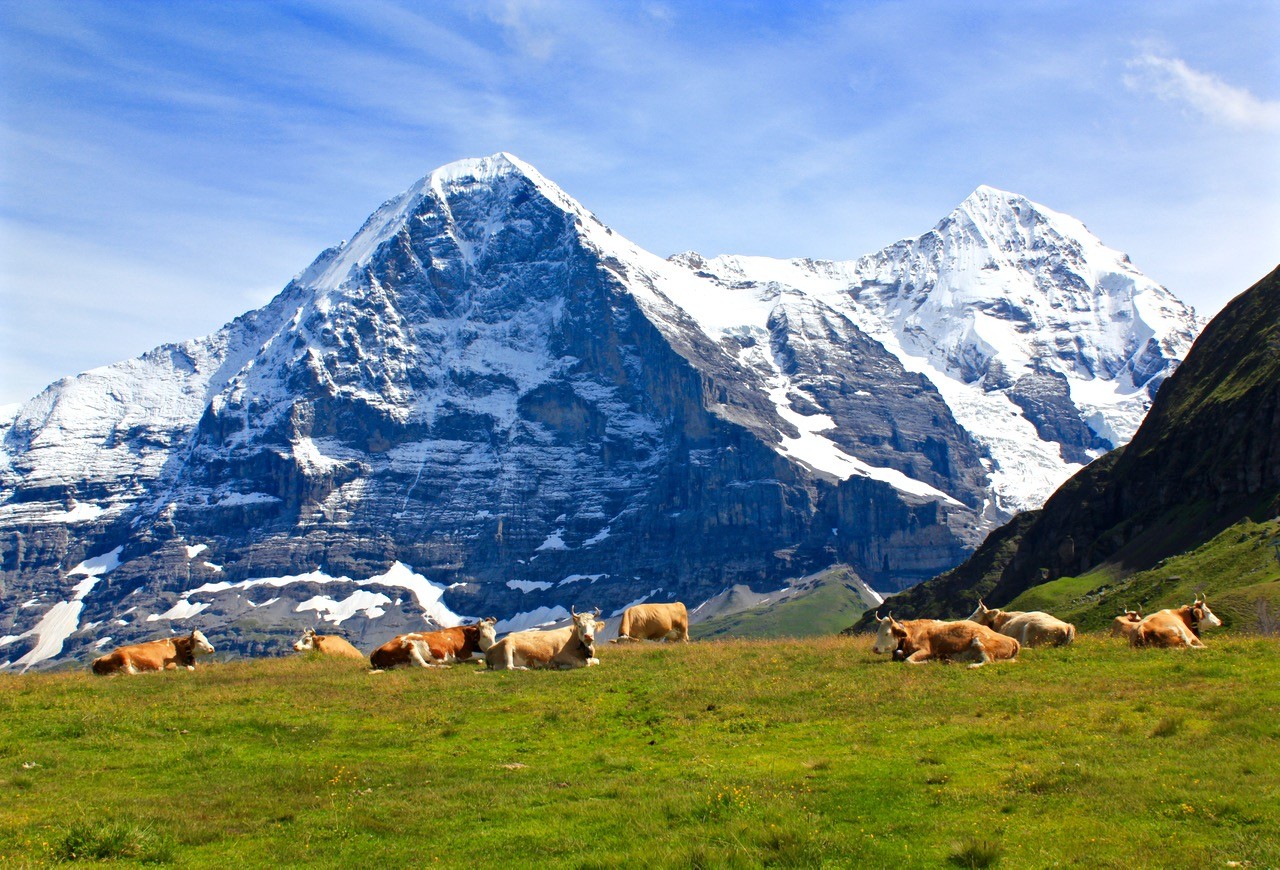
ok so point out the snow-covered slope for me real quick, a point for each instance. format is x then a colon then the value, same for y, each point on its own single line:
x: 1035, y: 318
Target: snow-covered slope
x: 1047, y: 345
x: 490, y: 393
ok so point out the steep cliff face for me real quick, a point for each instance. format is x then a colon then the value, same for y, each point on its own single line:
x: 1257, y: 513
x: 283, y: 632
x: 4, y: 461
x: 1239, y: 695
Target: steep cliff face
x: 488, y: 403
x: 1207, y: 455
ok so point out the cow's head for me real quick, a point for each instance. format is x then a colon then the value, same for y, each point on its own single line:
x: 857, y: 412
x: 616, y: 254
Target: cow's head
x: 488, y: 632
x: 200, y: 645
x: 983, y: 615
x: 1130, y: 616
x: 307, y: 641
x: 585, y: 625
x: 1203, y: 615
x: 886, y: 641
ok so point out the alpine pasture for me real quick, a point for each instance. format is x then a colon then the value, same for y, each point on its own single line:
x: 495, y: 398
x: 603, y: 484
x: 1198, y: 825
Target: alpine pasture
x: 733, y: 753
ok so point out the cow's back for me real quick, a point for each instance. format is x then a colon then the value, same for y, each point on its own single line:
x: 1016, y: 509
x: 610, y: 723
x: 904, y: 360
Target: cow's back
x: 1037, y: 628
x: 655, y: 621
x: 1163, y: 628
x: 332, y: 645
x: 153, y: 655
x: 533, y: 649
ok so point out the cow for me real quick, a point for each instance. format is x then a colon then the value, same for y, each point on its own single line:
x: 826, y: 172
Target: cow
x: 327, y: 644
x: 1175, y: 628
x: 1124, y: 624
x: 1029, y: 627
x: 654, y: 622
x: 570, y: 647
x: 887, y: 642
x: 428, y: 649
x: 166, y: 654
x: 962, y: 640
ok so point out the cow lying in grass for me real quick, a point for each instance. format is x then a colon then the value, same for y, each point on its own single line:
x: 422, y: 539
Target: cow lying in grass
x: 921, y: 640
x: 166, y: 654
x: 1175, y: 628
x: 327, y: 644
x: 1125, y: 624
x: 428, y: 649
x: 570, y: 647
x: 1029, y: 627
x: 654, y: 622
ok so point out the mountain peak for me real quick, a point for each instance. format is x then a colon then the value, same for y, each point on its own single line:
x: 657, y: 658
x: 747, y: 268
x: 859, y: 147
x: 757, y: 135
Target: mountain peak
x: 497, y: 174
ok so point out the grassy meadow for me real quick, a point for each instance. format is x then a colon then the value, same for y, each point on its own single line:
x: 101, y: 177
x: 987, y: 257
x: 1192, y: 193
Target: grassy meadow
x: 739, y: 753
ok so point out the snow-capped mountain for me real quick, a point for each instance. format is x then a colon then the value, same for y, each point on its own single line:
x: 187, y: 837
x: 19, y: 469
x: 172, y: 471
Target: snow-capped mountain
x: 487, y: 402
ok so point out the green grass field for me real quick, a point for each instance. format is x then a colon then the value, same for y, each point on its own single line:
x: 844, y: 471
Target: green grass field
x: 715, y: 754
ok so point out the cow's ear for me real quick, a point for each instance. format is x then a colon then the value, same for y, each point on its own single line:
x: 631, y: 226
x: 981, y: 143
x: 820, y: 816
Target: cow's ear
x: 599, y: 626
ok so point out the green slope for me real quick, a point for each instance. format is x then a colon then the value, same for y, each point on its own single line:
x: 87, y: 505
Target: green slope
x: 1237, y: 571
x: 824, y: 604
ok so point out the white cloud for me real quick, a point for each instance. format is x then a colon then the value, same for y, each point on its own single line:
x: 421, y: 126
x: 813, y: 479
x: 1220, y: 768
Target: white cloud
x: 1170, y: 79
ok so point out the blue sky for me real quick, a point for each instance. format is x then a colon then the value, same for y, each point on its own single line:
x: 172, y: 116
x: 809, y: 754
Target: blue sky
x: 167, y: 166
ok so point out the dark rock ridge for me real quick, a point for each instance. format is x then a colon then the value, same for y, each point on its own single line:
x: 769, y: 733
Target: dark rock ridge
x: 1207, y: 455
x: 486, y: 403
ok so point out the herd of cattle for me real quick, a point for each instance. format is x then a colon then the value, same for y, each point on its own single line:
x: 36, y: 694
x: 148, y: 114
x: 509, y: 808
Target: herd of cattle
x: 987, y: 635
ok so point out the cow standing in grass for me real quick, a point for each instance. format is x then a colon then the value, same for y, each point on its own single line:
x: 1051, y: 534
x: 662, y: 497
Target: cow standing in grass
x: 570, y: 647
x: 166, y: 654
x: 428, y: 649
x: 1176, y: 628
x: 925, y: 639
x: 654, y: 622
x: 1029, y: 628
x: 327, y: 644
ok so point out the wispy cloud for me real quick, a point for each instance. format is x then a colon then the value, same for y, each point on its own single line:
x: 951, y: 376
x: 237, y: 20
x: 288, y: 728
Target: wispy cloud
x: 1171, y: 79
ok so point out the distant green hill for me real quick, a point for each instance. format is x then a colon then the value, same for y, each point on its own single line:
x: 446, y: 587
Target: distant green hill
x: 1206, y: 458
x: 1237, y: 572
x: 820, y: 604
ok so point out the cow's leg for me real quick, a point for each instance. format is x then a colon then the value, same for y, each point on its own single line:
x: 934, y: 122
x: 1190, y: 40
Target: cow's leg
x: 919, y: 657
x: 981, y: 650
x: 415, y: 653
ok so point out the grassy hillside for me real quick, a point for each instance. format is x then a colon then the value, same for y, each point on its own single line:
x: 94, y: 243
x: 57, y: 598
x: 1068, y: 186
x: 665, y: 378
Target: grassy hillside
x: 1237, y: 570
x: 713, y: 754
x: 826, y: 604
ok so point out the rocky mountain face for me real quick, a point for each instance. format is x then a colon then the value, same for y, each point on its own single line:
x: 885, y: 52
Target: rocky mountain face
x: 489, y: 403
x: 1207, y: 456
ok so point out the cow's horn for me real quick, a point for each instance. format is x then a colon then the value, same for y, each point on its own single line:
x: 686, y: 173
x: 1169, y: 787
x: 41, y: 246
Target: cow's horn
x: 573, y: 610
x: 597, y: 613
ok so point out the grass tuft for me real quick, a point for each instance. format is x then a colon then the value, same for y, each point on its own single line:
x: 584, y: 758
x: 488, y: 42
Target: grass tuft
x: 103, y: 841
x: 976, y: 852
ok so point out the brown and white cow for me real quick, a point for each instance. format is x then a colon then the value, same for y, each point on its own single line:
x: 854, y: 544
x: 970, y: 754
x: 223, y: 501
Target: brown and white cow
x: 573, y: 646
x: 1175, y: 628
x: 1125, y: 624
x: 1027, y: 627
x: 962, y: 640
x: 167, y: 653
x: 327, y: 644
x: 441, y: 648
x: 654, y: 622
